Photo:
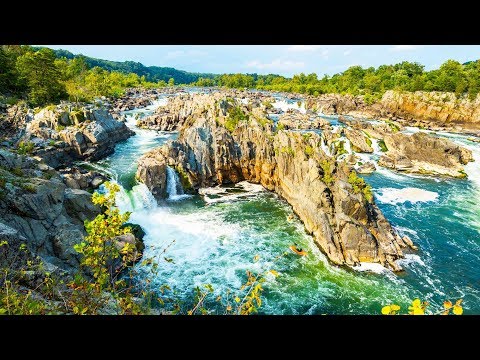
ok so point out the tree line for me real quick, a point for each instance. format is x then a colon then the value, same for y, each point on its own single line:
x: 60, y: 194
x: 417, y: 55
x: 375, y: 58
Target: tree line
x: 151, y: 73
x: 39, y: 77
x: 43, y: 76
x: 452, y: 76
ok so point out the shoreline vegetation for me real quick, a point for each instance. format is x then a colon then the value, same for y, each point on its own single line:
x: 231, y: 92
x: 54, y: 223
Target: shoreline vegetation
x: 42, y: 76
x: 105, y: 248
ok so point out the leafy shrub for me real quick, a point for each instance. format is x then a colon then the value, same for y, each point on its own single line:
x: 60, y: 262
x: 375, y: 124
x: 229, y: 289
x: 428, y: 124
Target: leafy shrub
x: 327, y: 168
x: 308, y: 150
x: 419, y: 308
x: 382, y: 145
x: 25, y: 148
x: 17, y: 171
x: 360, y: 186
x: 287, y: 150
x: 235, y: 115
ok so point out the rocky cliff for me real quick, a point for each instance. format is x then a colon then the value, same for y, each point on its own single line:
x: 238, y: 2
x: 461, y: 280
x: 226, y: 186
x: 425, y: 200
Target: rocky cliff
x: 177, y: 112
x: 63, y: 133
x: 425, y: 154
x: 430, y: 110
x: 335, y: 205
x: 435, y: 110
x: 42, y: 211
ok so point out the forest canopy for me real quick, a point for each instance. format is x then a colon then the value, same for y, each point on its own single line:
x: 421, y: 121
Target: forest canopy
x: 42, y: 76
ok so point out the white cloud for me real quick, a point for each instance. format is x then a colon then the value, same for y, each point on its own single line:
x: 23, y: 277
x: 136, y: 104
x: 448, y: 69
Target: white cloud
x: 302, y: 48
x: 182, y: 53
x: 275, y: 65
x: 405, y: 47
x: 325, y: 54
x: 347, y: 52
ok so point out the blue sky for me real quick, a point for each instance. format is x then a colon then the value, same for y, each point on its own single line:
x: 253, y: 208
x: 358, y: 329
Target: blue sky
x: 280, y: 59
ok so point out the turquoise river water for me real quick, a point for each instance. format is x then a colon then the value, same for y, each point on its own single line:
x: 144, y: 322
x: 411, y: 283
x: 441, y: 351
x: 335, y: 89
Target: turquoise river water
x: 218, y: 233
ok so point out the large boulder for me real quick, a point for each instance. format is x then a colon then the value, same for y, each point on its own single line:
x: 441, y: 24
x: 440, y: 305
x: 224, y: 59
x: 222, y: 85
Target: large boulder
x: 45, y: 214
x: 425, y: 154
x: 69, y: 134
x: 359, y: 141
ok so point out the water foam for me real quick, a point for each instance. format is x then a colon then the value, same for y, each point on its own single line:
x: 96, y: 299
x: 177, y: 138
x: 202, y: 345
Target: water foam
x: 394, y: 196
x: 220, y: 194
x: 284, y: 106
x: 371, y: 267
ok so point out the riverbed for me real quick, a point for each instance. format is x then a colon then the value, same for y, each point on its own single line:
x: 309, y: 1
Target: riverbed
x: 218, y: 234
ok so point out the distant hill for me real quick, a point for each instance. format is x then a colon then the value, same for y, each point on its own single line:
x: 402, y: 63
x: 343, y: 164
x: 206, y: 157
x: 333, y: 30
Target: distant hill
x: 152, y: 73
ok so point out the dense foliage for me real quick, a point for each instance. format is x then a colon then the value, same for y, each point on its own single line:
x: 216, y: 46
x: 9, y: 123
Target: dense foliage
x: 373, y: 82
x: 151, y: 73
x: 41, y: 78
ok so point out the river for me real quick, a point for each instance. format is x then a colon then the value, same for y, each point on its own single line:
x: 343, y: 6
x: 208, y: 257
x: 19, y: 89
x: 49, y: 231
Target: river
x: 218, y: 234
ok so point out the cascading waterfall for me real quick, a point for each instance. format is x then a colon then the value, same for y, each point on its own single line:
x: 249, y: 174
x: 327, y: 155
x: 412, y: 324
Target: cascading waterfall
x: 218, y: 233
x: 324, y: 146
x: 174, y: 186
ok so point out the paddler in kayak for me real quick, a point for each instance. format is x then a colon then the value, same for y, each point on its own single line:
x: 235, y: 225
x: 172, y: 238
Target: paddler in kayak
x: 298, y: 250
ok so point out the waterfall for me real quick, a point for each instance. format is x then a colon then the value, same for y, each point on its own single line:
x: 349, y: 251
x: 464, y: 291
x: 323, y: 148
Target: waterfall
x: 139, y: 198
x: 325, y: 148
x: 174, y: 186
x: 376, y: 147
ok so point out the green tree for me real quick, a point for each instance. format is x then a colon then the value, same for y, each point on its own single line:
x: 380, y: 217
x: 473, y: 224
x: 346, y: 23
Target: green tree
x: 41, y: 75
x: 171, y: 82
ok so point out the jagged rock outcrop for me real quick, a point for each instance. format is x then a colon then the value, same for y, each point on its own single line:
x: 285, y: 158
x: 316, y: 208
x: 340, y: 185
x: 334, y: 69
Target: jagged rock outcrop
x: 374, y: 129
x: 297, y: 120
x: 178, y: 111
x: 433, y: 110
x: 37, y: 208
x: 37, y: 204
x: 359, y: 141
x: 63, y: 134
x: 345, y: 225
x: 13, y: 121
x: 332, y: 104
x: 425, y: 154
x: 366, y: 168
x: 81, y: 179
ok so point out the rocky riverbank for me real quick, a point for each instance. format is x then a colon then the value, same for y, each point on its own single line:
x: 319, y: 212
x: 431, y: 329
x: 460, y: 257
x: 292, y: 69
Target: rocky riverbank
x: 435, y: 111
x: 62, y: 134
x: 226, y: 142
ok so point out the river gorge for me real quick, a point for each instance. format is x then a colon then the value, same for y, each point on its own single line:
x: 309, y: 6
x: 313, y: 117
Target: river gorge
x: 220, y: 229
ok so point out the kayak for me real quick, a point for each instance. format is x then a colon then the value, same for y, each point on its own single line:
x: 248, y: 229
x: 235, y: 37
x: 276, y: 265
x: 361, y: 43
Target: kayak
x: 301, y: 253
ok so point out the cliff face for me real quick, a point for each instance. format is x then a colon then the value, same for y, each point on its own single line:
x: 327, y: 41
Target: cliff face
x: 177, y: 112
x: 431, y: 110
x: 425, y: 154
x: 44, y: 213
x: 441, y: 109
x: 338, y: 212
x: 62, y: 134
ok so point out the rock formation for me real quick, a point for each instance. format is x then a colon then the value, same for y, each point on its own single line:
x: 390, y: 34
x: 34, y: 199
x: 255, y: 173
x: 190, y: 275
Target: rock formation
x: 335, y: 206
x: 38, y: 209
x: 435, y: 110
x: 42, y: 209
x: 297, y: 120
x: 63, y: 134
x: 425, y: 154
x: 177, y: 112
